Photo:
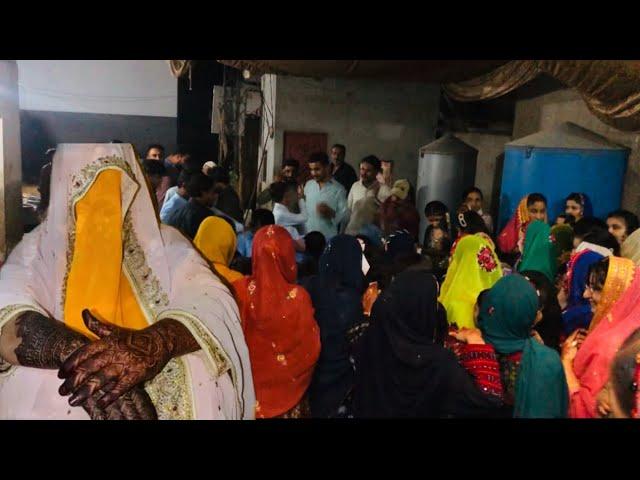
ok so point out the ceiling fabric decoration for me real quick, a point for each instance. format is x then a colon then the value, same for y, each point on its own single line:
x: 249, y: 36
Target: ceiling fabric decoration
x: 610, y: 88
x: 431, y: 71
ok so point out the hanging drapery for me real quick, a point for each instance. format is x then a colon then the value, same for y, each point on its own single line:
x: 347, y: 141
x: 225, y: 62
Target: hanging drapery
x: 433, y: 71
x: 179, y: 67
x: 610, y: 88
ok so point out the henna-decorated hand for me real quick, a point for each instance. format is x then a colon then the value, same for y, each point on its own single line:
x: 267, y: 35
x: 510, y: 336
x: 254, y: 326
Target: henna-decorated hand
x: 43, y: 342
x: 133, y: 405
x: 106, y: 369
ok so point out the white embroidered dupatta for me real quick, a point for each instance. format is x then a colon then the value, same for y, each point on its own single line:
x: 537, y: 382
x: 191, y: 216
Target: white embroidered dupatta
x: 168, y: 277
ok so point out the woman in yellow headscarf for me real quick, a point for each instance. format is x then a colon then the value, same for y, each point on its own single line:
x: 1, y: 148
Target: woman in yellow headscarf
x: 216, y: 240
x: 474, y: 267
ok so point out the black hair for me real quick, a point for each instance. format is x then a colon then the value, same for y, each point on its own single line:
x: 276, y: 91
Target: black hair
x: 542, y: 285
x: 482, y: 295
x: 373, y: 161
x: 435, y: 208
x: 550, y: 326
x: 157, y: 146
x: 341, y: 147
x: 536, y: 197
x: 630, y: 219
x: 262, y: 217
x: 576, y: 197
x: 290, y: 162
x: 314, y: 244
x: 597, y: 275
x: 183, y: 178
x: 154, y: 167
x: 116, y: 141
x: 191, y: 164
x: 219, y: 175
x: 278, y: 190
x: 604, y: 239
x: 319, y: 157
x: 198, y: 184
x: 588, y: 224
x: 469, y: 190
x: 623, y: 370
x: 473, y: 223
x: 569, y: 219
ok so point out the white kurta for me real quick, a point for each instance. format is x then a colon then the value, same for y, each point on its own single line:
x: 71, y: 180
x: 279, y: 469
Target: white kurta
x: 169, y: 278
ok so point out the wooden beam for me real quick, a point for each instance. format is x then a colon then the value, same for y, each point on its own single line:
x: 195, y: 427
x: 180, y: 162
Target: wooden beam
x: 10, y: 159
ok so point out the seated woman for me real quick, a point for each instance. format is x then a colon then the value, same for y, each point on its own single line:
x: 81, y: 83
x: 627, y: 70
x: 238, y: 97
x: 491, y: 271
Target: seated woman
x: 614, y: 293
x: 216, y: 241
x: 591, y: 233
x: 468, y: 222
x: 278, y: 324
x: 600, y: 241
x: 622, y: 396
x: 576, y: 309
x: 539, y: 252
x: 531, y: 373
x: 578, y: 205
x: 621, y: 224
x: 336, y: 293
x: 474, y: 268
x: 403, y: 369
x: 531, y: 207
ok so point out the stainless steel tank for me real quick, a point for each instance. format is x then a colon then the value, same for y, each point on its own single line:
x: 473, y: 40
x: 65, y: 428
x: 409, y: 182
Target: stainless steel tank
x: 446, y: 168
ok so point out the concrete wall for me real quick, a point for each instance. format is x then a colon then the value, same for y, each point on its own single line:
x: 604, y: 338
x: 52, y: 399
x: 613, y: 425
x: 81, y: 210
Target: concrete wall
x: 10, y: 171
x: 117, y: 87
x: 389, y: 120
x: 546, y: 111
x: 66, y: 101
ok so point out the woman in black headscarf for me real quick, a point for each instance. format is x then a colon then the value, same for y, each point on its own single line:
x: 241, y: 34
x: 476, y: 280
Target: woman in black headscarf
x: 549, y: 327
x: 403, y: 369
x: 336, y: 293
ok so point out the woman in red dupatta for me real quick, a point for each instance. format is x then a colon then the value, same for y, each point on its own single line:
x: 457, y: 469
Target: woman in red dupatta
x: 531, y: 207
x: 617, y: 315
x: 279, y: 326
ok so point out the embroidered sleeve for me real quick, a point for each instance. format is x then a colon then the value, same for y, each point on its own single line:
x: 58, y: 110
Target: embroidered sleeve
x: 481, y: 363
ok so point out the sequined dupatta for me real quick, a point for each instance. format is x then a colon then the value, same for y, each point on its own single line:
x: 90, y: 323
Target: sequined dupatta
x: 278, y: 322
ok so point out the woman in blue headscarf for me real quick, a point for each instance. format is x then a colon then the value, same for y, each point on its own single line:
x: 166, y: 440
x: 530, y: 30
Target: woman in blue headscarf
x: 578, y: 205
x: 336, y: 293
x: 577, y: 312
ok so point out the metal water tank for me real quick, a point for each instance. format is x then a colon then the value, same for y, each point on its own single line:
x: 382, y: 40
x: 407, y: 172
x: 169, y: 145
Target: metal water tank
x: 446, y: 168
x: 556, y: 162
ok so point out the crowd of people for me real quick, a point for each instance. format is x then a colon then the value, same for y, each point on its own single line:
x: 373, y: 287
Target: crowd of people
x: 345, y: 312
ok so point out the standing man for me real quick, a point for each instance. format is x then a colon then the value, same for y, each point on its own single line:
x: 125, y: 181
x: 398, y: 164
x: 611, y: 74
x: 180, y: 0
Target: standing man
x: 289, y: 171
x: 368, y: 185
x: 326, y: 198
x: 154, y: 152
x: 341, y: 170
